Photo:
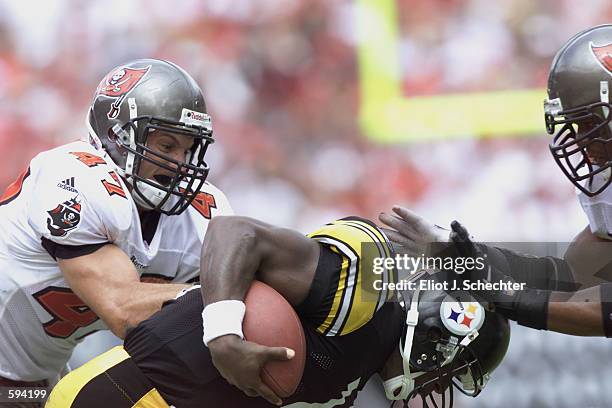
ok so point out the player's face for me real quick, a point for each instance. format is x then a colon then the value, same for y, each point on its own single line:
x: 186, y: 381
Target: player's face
x: 596, y: 150
x: 173, y: 146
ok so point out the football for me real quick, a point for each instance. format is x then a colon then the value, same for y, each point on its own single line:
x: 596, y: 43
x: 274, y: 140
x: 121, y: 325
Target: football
x: 271, y: 321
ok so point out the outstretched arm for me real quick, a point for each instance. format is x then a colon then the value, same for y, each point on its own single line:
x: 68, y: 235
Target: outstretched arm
x: 578, y: 313
x: 541, y: 304
x: 108, y: 283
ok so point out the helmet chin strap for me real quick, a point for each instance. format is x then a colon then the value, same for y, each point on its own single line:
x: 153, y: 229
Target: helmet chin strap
x: 398, y: 388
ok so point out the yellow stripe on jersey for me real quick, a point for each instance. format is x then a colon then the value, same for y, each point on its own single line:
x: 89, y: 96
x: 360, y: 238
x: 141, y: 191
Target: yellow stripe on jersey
x: 65, y: 392
x: 338, y: 296
x: 79, y: 387
x: 382, y: 250
x: 151, y: 399
x: 353, y: 307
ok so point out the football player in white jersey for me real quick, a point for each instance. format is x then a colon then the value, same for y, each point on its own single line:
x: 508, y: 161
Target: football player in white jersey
x: 571, y: 295
x: 97, y: 234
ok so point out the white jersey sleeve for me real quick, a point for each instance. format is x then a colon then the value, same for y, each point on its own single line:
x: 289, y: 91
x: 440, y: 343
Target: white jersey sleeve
x: 191, y: 228
x: 80, y: 199
x: 67, y: 197
x: 72, y: 196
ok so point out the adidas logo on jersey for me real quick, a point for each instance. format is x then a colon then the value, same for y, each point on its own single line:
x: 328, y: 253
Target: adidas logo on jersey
x: 137, y: 264
x: 68, y: 185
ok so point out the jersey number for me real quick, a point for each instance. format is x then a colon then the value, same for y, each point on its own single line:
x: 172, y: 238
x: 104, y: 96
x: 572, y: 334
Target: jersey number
x: 68, y: 310
x: 91, y: 160
x: 113, y: 189
x: 13, y: 190
x: 203, y: 202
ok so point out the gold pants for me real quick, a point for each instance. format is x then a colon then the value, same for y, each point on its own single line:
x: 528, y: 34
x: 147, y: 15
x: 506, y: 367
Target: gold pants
x: 110, y: 380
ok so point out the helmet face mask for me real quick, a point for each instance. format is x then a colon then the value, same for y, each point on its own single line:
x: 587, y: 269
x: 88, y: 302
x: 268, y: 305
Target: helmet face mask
x: 463, y: 372
x: 450, y: 341
x: 142, y: 98
x: 578, y: 108
x: 582, y: 147
x: 188, y: 176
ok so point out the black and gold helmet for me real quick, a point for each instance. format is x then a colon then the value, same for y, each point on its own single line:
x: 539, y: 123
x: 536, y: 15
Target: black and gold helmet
x: 450, y: 341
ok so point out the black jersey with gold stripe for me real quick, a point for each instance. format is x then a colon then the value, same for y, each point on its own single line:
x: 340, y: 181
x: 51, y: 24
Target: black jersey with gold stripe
x: 110, y: 380
x: 349, y: 337
x: 164, y: 363
x: 342, y: 299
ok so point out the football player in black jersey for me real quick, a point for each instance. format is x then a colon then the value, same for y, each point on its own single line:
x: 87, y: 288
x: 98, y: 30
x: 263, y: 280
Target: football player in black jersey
x: 349, y: 336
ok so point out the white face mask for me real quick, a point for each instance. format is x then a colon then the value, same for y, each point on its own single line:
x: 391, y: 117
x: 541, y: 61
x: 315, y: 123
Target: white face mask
x: 598, y: 209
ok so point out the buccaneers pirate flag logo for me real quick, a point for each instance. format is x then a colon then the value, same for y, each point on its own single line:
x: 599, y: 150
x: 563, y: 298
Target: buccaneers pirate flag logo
x: 64, y: 218
x: 118, y: 84
x: 604, y: 56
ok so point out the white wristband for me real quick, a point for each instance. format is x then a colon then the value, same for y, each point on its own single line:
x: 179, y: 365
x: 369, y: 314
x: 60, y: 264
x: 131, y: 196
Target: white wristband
x: 221, y: 318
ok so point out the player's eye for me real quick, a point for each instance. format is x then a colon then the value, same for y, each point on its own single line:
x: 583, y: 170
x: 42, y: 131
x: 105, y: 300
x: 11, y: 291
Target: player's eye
x: 166, y: 147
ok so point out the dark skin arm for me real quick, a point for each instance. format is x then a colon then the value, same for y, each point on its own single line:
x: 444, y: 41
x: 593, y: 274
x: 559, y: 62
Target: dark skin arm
x: 589, y: 257
x: 577, y: 313
x: 236, y: 251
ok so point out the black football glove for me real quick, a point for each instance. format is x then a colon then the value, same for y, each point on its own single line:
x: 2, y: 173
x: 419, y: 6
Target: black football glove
x: 529, y: 307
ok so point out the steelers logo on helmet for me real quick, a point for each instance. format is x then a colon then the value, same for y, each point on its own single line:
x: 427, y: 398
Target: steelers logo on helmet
x: 461, y: 313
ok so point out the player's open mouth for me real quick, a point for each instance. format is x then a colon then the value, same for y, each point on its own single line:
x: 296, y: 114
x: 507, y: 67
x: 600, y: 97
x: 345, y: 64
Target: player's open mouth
x: 162, y: 179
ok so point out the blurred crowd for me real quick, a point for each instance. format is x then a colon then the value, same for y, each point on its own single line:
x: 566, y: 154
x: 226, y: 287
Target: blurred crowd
x: 281, y: 82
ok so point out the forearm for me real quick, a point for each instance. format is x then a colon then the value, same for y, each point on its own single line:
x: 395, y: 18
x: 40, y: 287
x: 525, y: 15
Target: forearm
x: 545, y: 272
x: 541, y: 309
x: 108, y: 283
x: 578, y: 313
x: 575, y: 312
x: 141, y: 300
x: 125, y: 307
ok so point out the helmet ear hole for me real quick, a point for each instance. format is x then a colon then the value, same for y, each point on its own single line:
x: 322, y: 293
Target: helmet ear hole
x: 112, y: 135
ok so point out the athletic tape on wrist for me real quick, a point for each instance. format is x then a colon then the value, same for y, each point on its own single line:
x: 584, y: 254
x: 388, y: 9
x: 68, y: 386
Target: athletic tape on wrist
x: 222, y: 318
